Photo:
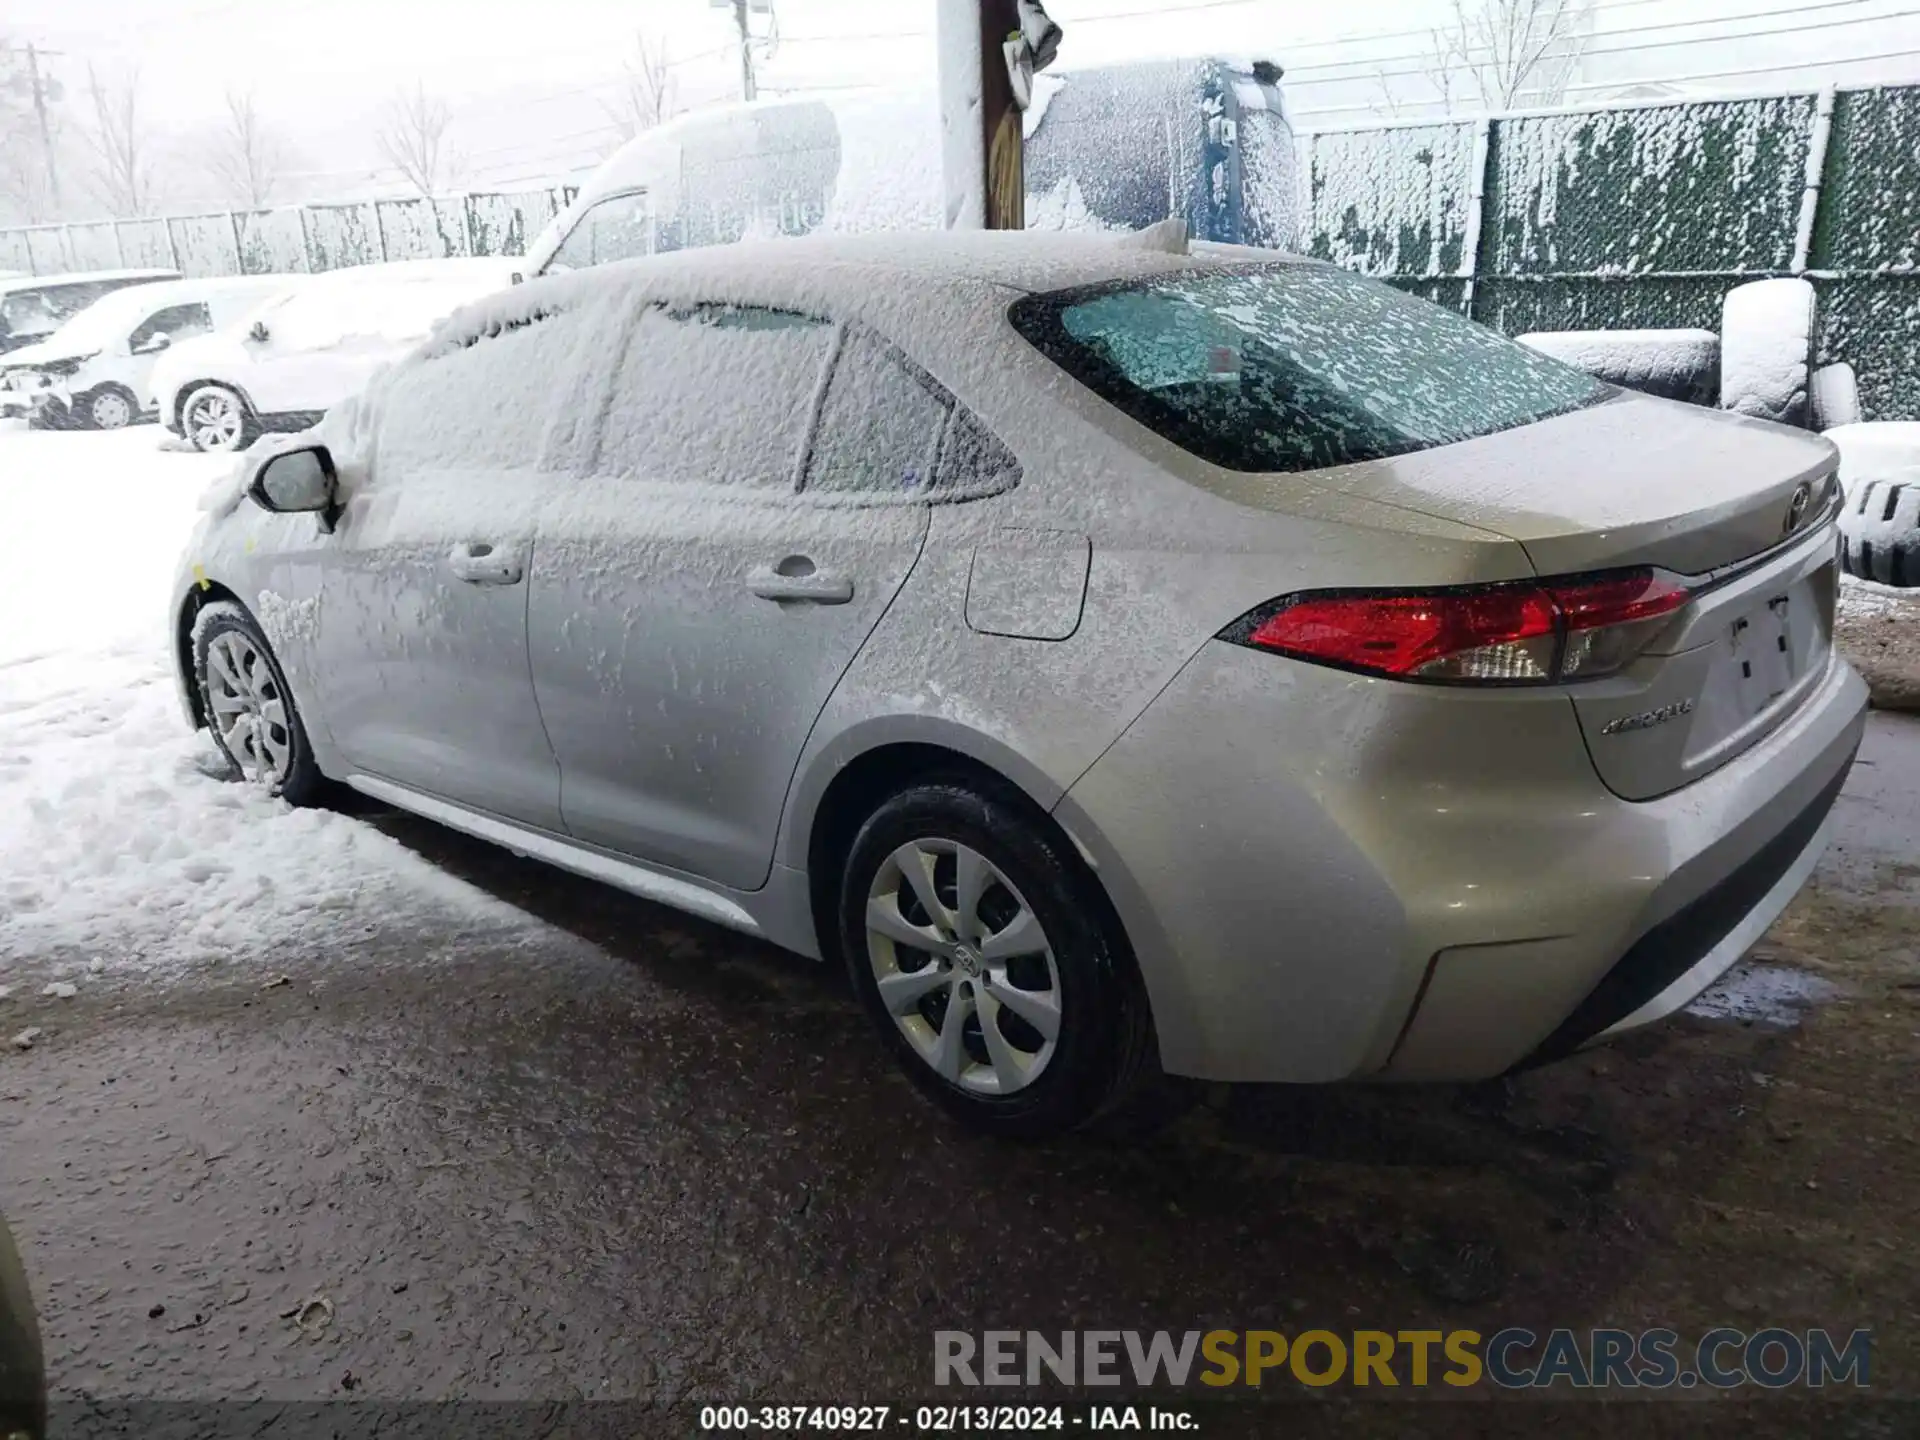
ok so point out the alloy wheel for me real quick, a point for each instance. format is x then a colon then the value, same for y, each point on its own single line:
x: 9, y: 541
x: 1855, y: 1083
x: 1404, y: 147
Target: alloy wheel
x: 249, y: 712
x: 214, y: 421
x: 963, y: 966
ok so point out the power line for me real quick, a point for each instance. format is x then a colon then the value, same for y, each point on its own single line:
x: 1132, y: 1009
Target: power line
x: 1652, y: 80
x: 1750, y: 70
x: 1589, y: 52
x: 1610, y: 7
x: 1794, y: 10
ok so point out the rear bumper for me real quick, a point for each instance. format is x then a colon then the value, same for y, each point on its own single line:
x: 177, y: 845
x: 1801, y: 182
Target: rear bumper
x: 1670, y: 965
x: 1326, y: 877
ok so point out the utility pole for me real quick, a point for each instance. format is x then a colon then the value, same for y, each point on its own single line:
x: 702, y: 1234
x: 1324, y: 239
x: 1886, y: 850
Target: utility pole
x: 46, y: 133
x: 989, y: 51
x: 747, y: 88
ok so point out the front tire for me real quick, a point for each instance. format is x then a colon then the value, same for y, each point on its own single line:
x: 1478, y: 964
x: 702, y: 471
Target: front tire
x: 249, y: 706
x: 109, y: 408
x: 984, y: 957
x: 215, y: 419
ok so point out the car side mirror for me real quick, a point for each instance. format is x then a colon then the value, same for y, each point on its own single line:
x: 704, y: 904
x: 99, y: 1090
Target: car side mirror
x: 153, y: 344
x: 257, y: 332
x: 299, y: 482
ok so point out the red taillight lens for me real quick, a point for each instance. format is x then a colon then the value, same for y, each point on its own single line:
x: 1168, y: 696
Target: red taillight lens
x: 1534, y: 633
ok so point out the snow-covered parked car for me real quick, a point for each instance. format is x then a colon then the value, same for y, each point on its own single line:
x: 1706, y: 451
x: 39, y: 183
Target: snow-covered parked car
x: 32, y: 307
x: 282, y: 366
x: 93, y: 371
x: 1077, y: 638
x: 1117, y: 147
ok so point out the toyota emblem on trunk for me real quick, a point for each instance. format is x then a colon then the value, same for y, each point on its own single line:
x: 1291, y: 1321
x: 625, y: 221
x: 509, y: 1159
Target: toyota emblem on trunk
x: 1797, y: 508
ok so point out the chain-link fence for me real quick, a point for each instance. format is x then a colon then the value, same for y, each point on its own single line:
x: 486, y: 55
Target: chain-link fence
x: 296, y: 239
x: 1646, y: 216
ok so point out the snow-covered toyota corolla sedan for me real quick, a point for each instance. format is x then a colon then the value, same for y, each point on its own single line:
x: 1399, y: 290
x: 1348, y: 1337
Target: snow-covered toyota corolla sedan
x: 1111, y: 654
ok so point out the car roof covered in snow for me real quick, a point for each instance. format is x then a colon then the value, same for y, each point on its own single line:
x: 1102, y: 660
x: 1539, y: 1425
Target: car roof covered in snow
x: 81, y: 277
x: 942, y: 296
x: 882, y: 278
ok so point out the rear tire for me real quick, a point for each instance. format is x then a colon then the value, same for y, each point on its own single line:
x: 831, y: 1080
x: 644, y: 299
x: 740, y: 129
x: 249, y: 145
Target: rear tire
x: 215, y: 419
x: 249, y: 706
x: 1018, y: 1010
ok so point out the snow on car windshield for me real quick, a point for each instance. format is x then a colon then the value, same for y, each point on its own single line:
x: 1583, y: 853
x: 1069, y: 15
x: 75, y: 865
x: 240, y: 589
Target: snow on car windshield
x: 1295, y: 367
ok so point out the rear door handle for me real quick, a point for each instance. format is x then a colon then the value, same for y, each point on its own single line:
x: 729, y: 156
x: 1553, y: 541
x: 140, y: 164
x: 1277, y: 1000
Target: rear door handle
x: 479, y: 563
x: 790, y: 581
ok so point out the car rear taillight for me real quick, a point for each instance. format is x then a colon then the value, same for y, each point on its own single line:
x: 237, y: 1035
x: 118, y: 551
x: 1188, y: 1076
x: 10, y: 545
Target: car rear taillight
x: 1536, y: 632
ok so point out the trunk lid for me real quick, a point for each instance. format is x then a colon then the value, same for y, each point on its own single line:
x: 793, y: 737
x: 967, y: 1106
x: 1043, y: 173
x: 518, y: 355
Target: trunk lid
x: 1740, y: 506
x: 1631, y: 481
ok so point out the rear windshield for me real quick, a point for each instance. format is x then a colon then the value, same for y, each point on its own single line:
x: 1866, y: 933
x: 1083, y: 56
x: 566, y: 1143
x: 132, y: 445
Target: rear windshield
x: 1294, y: 366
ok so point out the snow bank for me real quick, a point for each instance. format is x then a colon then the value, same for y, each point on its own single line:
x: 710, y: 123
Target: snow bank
x: 1679, y: 364
x: 1862, y: 599
x: 118, y: 839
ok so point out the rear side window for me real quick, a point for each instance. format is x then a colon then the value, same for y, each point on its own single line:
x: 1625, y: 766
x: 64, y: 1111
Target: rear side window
x: 972, y: 459
x: 879, y: 431
x: 1295, y: 367
x: 715, y: 395
x: 617, y: 228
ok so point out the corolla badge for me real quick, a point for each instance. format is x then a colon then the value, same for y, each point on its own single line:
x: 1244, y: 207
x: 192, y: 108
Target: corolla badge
x: 1647, y: 719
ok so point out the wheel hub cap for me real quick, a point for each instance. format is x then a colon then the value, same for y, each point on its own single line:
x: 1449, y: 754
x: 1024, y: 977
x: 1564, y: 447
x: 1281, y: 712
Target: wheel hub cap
x: 963, y: 966
x: 249, y: 712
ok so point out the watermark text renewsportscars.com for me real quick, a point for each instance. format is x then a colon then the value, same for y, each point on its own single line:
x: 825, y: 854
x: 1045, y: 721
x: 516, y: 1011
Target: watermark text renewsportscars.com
x: 1512, y: 1358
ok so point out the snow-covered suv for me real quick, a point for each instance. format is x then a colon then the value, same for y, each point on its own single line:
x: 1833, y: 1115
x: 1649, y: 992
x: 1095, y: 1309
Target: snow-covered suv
x: 291, y: 360
x: 92, y: 372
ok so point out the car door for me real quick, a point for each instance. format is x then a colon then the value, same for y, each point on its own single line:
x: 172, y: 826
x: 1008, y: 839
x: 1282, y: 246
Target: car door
x: 423, y: 625
x: 693, y: 605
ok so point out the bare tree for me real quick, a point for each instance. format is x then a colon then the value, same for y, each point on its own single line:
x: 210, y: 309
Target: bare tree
x: 648, y: 91
x: 123, y: 169
x: 1510, y: 50
x: 246, y: 157
x: 413, y: 136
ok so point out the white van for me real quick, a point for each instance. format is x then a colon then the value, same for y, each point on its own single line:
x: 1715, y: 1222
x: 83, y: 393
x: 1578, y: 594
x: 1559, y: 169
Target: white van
x: 1114, y: 147
x: 92, y: 372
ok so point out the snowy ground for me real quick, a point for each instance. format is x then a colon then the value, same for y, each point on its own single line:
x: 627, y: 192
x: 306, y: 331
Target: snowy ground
x: 122, y: 847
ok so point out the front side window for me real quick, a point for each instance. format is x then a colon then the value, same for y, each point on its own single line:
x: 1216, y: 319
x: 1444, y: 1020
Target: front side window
x: 617, y: 228
x: 176, y: 322
x: 715, y: 395
x: 880, y: 427
x: 1295, y: 367
x: 486, y: 405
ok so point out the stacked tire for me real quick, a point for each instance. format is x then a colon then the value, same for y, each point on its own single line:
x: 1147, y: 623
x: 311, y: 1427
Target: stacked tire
x: 1880, y: 526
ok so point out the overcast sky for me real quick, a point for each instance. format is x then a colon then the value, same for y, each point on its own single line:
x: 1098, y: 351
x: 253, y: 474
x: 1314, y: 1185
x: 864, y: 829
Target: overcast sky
x: 528, y: 81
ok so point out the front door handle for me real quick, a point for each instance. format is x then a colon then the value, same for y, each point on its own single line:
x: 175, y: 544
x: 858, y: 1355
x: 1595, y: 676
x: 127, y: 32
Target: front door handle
x: 794, y: 578
x: 479, y: 563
